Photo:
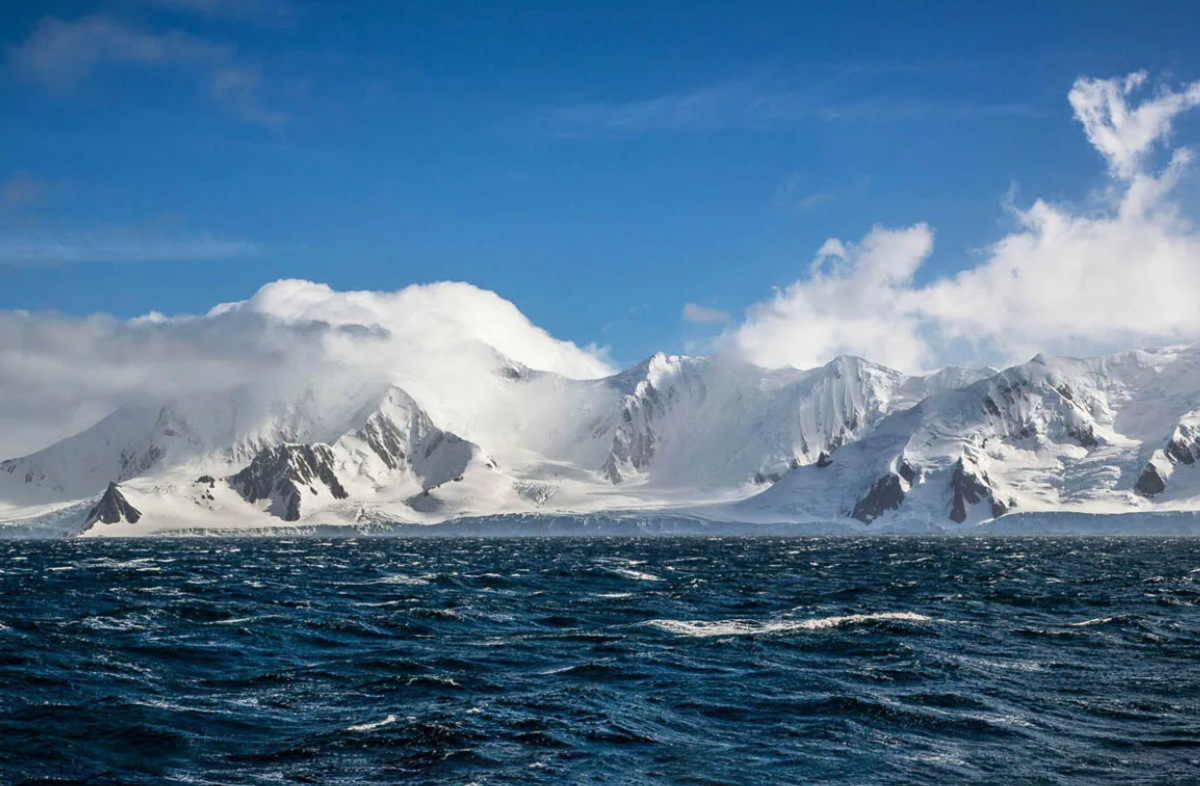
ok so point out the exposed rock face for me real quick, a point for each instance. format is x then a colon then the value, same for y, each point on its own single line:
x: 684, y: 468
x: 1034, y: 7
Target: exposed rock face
x: 1151, y: 482
x: 403, y: 436
x: 1182, y: 449
x: 113, y: 508
x: 886, y: 494
x: 650, y: 390
x: 823, y: 460
x: 1179, y: 452
x: 967, y: 489
x: 280, y: 473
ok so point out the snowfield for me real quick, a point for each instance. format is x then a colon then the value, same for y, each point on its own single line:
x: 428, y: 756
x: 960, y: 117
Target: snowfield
x: 672, y: 444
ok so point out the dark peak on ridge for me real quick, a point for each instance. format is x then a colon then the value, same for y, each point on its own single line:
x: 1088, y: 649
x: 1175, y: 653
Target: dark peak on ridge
x: 112, y: 508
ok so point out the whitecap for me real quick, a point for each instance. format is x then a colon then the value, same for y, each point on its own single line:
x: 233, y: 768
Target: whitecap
x: 402, y: 580
x: 742, y: 627
x: 636, y: 575
x: 389, y: 720
x: 1091, y: 622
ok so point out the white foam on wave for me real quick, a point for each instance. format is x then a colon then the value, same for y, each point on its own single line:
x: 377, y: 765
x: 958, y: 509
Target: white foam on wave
x: 371, y: 726
x: 1091, y: 622
x: 741, y: 627
x: 636, y: 575
x: 402, y: 580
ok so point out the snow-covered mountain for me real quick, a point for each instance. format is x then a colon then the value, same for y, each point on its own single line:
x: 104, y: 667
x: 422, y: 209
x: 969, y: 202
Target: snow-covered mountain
x: 1106, y: 435
x: 715, y: 438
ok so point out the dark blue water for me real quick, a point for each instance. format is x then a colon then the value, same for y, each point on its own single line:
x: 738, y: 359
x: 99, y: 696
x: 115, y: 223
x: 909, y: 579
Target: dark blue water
x: 698, y: 661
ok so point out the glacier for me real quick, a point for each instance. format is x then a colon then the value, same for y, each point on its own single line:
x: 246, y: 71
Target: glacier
x: 674, y: 444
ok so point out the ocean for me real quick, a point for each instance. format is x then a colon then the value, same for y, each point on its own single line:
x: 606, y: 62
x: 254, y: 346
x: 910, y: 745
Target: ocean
x: 751, y: 660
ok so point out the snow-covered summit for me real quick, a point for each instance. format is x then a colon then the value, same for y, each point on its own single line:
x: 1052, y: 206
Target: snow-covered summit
x: 712, y: 437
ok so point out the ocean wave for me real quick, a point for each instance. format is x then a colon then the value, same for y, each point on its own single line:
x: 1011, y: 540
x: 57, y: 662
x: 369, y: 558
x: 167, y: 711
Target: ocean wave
x: 401, y: 579
x: 743, y: 627
x: 635, y: 575
x: 389, y: 720
x: 1098, y: 621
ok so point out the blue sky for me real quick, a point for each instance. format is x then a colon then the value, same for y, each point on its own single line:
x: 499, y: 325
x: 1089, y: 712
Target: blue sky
x: 599, y: 164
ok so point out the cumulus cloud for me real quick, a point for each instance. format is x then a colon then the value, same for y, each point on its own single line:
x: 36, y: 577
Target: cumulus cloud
x: 60, y: 54
x: 1121, y: 133
x: 854, y: 302
x: 1064, y: 280
x: 59, y: 375
x: 694, y: 312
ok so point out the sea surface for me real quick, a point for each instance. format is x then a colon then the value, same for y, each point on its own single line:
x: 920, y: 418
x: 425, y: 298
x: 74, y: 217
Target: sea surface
x: 605, y: 661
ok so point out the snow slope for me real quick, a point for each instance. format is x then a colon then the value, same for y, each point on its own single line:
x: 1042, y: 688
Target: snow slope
x: 708, y: 438
x: 1053, y: 434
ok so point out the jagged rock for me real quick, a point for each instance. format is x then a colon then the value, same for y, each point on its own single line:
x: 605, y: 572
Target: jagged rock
x: 907, y: 471
x: 1151, y: 482
x: 967, y: 489
x: 823, y: 460
x: 1000, y: 508
x: 1084, y: 435
x: 113, y: 508
x: 279, y: 473
x: 885, y: 494
x: 1179, y: 452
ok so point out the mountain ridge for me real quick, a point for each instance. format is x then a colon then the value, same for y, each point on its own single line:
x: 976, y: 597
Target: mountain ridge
x: 709, y: 437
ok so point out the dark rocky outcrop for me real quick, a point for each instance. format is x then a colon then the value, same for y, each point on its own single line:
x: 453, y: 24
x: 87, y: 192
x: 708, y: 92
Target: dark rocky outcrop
x: 1179, y: 452
x: 1151, y: 482
x: 990, y: 407
x: 823, y: 460
x: 886, y: 494
x: 1084, y: 435
x: 907, y: 471
x: 113, y: 508
x: 966, y: 489
x: 280, y: 473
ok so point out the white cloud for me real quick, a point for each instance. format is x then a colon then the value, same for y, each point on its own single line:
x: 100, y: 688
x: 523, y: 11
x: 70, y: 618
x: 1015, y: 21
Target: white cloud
x: 1064, y: 281
x: 59, y: 374
x: 852, y: 303
x: 1121, y: 133
x: 61, y: 54
x: 694, y: 312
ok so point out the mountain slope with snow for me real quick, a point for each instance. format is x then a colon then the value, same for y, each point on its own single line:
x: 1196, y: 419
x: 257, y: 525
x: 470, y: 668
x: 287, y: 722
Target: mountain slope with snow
x: 1053, y: 434
x: 713, y: 438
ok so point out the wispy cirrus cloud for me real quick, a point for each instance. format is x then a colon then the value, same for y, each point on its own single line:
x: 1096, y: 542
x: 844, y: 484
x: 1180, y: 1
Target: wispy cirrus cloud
x: 117, y: 244
x: 271, y: 11
x: 694, y: 312
x: 61, y: 54
x: 752, y: 104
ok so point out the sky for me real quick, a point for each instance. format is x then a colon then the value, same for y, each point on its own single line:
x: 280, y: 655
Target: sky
x: 918, y: 183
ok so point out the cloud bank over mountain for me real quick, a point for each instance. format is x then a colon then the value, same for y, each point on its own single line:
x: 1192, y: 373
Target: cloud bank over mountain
x: 1064, y: 280
x: 59, y: 374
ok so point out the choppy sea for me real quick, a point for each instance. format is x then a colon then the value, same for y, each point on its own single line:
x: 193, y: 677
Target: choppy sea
x: 606, y: 661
